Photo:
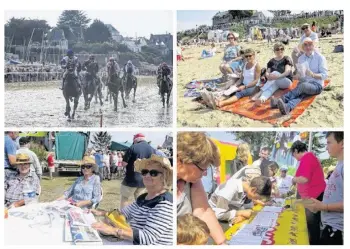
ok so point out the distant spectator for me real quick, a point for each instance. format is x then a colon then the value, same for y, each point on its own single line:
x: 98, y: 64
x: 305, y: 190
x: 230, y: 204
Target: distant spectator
x: 35, y: 167
x: 132, y: 185
x: 51, y: 163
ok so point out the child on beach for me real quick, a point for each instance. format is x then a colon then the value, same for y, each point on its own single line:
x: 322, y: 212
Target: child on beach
x: 191, y: 231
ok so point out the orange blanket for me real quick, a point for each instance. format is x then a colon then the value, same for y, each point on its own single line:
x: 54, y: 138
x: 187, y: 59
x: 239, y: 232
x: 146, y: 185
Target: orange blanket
x: 264, y: 113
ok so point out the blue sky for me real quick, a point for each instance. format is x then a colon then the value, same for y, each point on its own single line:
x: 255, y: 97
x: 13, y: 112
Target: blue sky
x: 157, y: 138
x: 128, y: 23
x: 188, y: 19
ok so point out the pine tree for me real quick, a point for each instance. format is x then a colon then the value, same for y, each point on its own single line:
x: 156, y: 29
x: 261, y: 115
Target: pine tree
x: 101, y: 140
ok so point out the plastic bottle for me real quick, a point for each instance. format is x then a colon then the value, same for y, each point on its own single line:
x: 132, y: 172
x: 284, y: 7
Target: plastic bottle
x: 29, y: 194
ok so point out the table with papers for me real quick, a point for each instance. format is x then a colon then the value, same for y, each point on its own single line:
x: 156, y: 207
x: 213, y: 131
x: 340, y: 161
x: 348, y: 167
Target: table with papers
x: 272, y: 226
x: 47, y: 224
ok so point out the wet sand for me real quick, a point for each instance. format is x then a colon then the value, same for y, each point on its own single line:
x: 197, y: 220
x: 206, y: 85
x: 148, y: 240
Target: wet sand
x: 41, y: 104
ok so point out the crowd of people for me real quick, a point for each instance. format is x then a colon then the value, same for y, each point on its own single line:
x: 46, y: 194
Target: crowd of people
x: 146, y: 199
x: 245, y: 76
x: 29, y: 73
x: 201, y: 205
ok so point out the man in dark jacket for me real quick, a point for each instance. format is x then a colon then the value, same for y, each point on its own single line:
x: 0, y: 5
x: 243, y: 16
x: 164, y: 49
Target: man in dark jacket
x: 132, y: 185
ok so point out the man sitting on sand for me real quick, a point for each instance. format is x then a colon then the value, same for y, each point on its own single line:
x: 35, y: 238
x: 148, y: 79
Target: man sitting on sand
x: 309, y: 85
x: 298, y: 51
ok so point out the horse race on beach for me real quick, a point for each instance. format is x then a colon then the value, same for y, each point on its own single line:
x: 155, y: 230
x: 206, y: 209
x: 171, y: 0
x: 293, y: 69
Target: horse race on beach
x: 95, y: 75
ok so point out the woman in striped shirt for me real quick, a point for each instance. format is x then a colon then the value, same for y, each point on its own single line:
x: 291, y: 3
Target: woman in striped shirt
x: 151, y: 215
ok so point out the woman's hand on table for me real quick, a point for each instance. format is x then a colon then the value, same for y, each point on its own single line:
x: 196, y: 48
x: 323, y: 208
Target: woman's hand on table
x: 103, y: 228
x: 79, y: 204
x: 98, y: 212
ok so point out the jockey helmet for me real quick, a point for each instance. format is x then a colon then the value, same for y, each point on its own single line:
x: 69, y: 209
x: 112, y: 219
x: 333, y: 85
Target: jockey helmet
x: 70, y: 52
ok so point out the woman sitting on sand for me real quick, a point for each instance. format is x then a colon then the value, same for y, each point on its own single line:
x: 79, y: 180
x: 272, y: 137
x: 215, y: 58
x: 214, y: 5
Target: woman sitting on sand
x: 250, y: 77
x: 209, y: 53
x: 278, y: 74
x: 232, y: 58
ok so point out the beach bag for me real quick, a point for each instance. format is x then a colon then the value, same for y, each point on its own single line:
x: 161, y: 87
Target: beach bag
x: 338, y: 49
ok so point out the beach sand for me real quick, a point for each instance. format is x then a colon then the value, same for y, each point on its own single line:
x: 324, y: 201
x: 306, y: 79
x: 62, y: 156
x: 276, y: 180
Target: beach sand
x: 326, y: 111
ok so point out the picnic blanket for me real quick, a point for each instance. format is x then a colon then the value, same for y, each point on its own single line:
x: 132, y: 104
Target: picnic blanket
x: 194, y: 87
x: 264, y: 113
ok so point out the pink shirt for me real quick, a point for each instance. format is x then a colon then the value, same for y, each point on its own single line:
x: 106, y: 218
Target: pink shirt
x: 311, y: 169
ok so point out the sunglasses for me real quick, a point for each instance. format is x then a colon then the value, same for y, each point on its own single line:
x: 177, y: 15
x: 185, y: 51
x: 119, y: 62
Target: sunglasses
x: 304, y: 28
x: 86, y: 167
x: 152, y: 172
x: 279, y: 49
x: 249, y: 56
x: 231, y: 38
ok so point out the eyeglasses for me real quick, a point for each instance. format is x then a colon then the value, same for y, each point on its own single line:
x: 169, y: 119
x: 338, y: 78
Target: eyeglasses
x: 248, y: 56
x: 201, y: 169
x: 152, y: 172
x: 279, y: 49
x: 230, y: 38
x: 304, y: 28
x: 86, y: 167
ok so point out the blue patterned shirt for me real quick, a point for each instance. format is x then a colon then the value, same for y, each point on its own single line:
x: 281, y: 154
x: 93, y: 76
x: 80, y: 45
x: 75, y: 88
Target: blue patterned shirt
x: 83, y: 191
x: 231, y: 52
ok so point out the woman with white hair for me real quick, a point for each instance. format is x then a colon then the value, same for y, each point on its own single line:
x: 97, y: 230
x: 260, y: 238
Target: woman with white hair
x: 151, y: 216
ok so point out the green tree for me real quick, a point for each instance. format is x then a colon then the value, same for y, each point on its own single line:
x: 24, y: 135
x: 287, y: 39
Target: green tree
x: 241, y: 13
x: 256, y: 140
x: 151, y: 50
x: 73, y: 18
x: 97, y: 32
x: 19, y: 30
x: 101, y: 140
x: 39, y: 150
x: 329, y: 162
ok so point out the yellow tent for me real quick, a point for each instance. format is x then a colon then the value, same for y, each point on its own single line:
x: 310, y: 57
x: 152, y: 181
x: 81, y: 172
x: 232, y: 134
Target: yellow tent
x: 33, y: 134
x: 227, y: 154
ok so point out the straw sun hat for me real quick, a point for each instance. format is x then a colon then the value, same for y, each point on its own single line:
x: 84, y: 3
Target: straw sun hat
x: 22, y: 159
x: 87, y: 160
x: 140, y: 164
